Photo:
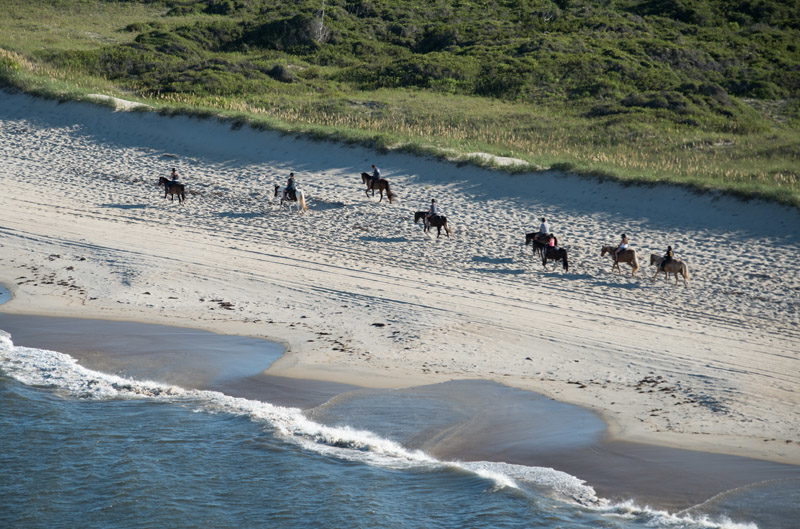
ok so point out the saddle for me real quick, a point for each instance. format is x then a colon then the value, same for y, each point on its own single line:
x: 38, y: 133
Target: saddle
x: 291, y: 195
x: 432, y: 218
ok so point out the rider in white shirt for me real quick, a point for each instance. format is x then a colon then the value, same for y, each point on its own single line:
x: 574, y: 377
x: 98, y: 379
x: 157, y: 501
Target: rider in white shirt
x: 544, y: 227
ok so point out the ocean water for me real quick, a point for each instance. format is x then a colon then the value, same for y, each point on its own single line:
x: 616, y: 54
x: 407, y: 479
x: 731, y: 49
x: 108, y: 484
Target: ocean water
x: 82, y: 448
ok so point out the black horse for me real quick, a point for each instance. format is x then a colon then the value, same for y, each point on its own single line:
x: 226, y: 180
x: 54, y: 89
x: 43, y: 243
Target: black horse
x: 172, y: 188
x: 437, y: 221
x: 380, y: 184
x: 537, y: 241
x: 555, y: 254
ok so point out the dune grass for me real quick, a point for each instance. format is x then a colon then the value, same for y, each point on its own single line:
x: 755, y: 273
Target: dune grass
x: 755, y: 155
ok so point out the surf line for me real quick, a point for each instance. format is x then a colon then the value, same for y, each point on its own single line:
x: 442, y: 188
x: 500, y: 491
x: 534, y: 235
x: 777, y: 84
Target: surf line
x: 54, y: 370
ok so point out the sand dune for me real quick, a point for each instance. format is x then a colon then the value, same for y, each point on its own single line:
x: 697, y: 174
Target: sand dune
x: 359, y: 294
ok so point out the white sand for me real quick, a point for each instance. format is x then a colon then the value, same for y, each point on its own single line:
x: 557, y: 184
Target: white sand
x: 84, y: 232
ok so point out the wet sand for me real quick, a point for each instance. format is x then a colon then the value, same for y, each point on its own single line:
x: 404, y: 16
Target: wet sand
x: 463, y: 419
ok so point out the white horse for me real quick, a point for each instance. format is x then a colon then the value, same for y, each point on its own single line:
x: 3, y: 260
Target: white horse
x: 300, y: 203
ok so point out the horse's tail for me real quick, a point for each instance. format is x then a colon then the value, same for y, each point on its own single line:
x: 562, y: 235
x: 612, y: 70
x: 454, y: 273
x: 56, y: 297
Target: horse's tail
x: 389, y: 193
x: 685, y: 271
x: 566, y: 263
x: 447, y: 229
x: 301, y: 201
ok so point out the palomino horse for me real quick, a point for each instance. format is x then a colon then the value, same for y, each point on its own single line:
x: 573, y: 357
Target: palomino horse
x: 172, y: 188
x: 674, y: 267
x: 437, y: 221
x: 555, y: 254
x: 299, y: 199
x: 381, y: 184
x: 537, y: 242
x: 625, y: 256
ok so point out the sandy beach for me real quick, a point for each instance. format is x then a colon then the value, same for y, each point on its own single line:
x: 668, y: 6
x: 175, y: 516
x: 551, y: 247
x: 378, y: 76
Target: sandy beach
x: 359, y: 295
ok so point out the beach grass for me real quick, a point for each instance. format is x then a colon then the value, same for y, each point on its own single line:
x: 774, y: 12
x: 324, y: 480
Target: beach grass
x: 751, y: 150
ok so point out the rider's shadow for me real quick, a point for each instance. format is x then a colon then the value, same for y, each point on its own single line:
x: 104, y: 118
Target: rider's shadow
x: 383, y: 239
x: 492, y: 260
x: 505, y: 271
x: 125, y: 206
x: 237, y: 215
x: 566, y: 275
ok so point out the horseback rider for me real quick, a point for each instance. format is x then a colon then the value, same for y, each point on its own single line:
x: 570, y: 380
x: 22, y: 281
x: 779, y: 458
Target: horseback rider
x: 669, y: 256
x: 433, y: 211
x: 544, y: 231
x: 544, y: 228
x: 174, y: 175
x: 376, y: 175
x: 550, y: 243
x: 623, y: 245
x: 290, y: 193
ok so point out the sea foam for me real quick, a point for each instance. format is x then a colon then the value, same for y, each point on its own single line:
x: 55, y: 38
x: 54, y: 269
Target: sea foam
x: 62, y: 373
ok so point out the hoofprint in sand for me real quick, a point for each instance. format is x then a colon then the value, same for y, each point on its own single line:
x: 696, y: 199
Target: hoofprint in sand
x: 359, y: 294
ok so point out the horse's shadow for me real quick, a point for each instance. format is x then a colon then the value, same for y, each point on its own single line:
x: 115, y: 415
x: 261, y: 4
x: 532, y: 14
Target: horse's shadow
x: 125, y: 206
x: 515, y: 271
x: 237, y: 215
x: 565, y: 275
x: 492, y: 260
x: 322, y: 205
x: 383, y: 239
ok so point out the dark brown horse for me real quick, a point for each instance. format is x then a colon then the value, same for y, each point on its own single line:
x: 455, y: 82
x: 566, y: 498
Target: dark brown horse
x: 537, y: 241
x: 437, y: 221
x: 381, y: 184
x: 172, y: 188
x: 555, y: 254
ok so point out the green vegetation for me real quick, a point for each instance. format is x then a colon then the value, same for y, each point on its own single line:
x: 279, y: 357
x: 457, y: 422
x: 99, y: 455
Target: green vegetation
x: 703, y: 93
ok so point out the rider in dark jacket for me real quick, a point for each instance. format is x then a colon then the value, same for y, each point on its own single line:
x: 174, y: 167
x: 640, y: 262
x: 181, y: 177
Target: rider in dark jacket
x: 669, y: 256
x: 291, y: 189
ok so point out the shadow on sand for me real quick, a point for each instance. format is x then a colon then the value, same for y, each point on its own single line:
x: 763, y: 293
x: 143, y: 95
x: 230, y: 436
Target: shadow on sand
x: 383, y: 239
x: 125, y: 206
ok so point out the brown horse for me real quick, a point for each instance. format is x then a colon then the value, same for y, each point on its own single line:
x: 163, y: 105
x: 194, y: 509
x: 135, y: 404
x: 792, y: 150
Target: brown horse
x: 172, y: 188
x: 625, y: 256
x: 381, y: 184
x: 537, y: 242
x: 674, y: 267
x: 437, y: 221
x: 555, y: 254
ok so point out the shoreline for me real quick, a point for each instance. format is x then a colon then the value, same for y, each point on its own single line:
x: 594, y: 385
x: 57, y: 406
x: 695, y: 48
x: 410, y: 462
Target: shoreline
x: 523, y: 433
x: 711, y: 367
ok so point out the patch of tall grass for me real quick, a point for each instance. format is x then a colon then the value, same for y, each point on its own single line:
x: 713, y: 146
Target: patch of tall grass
x: 762, y: 161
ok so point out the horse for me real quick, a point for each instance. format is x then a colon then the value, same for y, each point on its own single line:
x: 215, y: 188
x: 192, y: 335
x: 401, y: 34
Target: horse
x: 172, y: 188
x: 536, y: 242
x: 625, y: 256
x: 674, y: 267
x: 380, y: 184
x: 299, y: 199
x: 550, y: 253
x: 438, y: 221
